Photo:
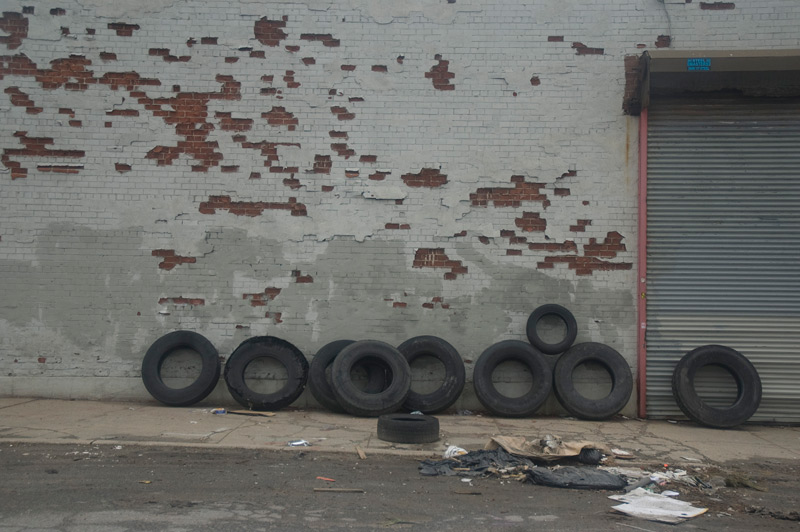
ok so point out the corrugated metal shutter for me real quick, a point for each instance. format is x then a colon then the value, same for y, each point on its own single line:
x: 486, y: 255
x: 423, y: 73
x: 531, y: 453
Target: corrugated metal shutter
x: 723, y: 252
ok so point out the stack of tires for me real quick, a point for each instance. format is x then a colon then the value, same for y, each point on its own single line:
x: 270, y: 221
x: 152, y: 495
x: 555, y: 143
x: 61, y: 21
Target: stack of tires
x: 534, y: 355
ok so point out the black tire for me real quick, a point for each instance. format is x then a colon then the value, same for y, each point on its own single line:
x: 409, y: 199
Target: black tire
x: 161, y: 349
x: 552, y: 310
x: 580, y: 406
x: 408, y: 428
x: 500, y: 404
x: 266, y: 347
x: 319, y: 375
x: 360, y: 402
x: 454, y: 377
x: 748, y: 385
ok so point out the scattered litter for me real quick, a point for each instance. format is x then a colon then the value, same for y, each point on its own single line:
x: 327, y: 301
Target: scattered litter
x: 453, y: 451
x: 339, y: 490
x: 690, y: 459
x: 463, y: 492
x: 145, y: 482
x: 361, y: 453
x: 464, y: 412
x: 466, y: 480
x: 655, y: 507
x: 548, y: 448
x: 478, y: 463
x: 219, y: 411
x: 672, y: 421
x: 193, y: 422
x: 299, y: 443
x: 416, y: 413
x: 670, y: 493
x: 625, y: 455
x: 326, y: 478
x: 255, y: 413
x: 576, y: 478
x: 590, y: 456
x: 118, y: 447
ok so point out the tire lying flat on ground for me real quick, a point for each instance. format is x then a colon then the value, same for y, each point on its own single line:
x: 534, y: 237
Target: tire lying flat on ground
x: 266, y: 347
x: 363, y: 403
x: 408, y: 428
x: 163, y: 348
x: 748, y: 384
x: 565, y: 316
x: 580, y: 406
x: 319, y: 375
x: 454, y: 378
x: 502, y: 405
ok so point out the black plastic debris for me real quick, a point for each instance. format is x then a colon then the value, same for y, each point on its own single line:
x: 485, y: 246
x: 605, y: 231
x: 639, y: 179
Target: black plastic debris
x: 590, y: 456
x: 476, y: 463
x: 582, y: 478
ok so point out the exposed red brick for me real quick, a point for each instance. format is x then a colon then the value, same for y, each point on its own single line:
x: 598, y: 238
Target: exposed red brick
x: 284, y: 169
x: 309, y: 61
x: 292, y: 183
x: 268, y: 149
x: 348, y: 68
x: 292, y: 48
x: 483, y: 239
x: 342, y: 150
x: 300, y: 278
x: 208, y: 40
x: 229, y: 169
x: 289, y: 79
x: 400, y: 59
x: 171, y: 259
x: 108, y: 56
x: 717, y: 6
x: 580, y: 226
x: 227, y: 123
x: 259, y: 54
x: 20, y: 99
x: 561, y: 191
x: 506, y: 233
x: 355, y: 99
x: 399, y: 304
x: 555, y: 38
x: 338, y: 134
x: 122, y: 168
x: 231, y: 59
x: 90, y: 31
x: 16, y: 26
x: 379, y: 68
x: 64, y: 31
x: 255, y: 175
x: 327, y: 188
x: 58, y: 12
x: 60, y: 168
x: 164, y: 54
x: 368, y: 158
x: 565, y: 247
x: 250, y: 208
x: 37, y: 147
x: 535, y: 81
x: 259, y: 299
x: 322, y: 164
x: 510, y: 197
x: 571, y: 173
x: 342, y: 113
x: 379, y: 176
x: 608, y: 248
x: 582, y: 49
x: 122, y: 29
x: 530, y: 222
x: 396, y: 226
x: 67, y: 111
x: 460, y: 233
x: 270, y: 32
x: 663, y: 41
x: 180, y: 300
x: 28, y: 10
x: 122, y: 112
x: 41, y: 360
x: 325, y: 38
x: 276, y: 316
x: 436, y: 258
x: 279, y: 116
x: 513, y: 252
x: 584, y: 265
x: 440, y: 75
x: 427, y: 177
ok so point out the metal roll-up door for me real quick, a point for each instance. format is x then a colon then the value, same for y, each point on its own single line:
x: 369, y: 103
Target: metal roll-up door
x: 723, y: 245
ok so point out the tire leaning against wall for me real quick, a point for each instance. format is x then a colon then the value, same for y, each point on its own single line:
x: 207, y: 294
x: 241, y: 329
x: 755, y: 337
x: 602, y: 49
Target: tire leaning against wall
x: 266, y: 347
x: 748, y: 384
x: 163, y: 348
x: 502, y: 405
x: 454, y: 378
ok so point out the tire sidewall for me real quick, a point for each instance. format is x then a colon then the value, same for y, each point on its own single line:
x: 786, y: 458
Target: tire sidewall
x: 454, y: 379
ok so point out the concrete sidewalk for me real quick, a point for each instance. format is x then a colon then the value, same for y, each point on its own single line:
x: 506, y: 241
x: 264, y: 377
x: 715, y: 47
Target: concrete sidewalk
x: 112, y: 423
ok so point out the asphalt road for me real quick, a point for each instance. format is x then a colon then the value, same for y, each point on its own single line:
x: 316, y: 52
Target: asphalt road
x: 89, y: 488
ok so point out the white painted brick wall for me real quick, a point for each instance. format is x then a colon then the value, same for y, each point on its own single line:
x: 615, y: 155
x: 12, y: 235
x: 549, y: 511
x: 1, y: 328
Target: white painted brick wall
x: 81, y: 287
